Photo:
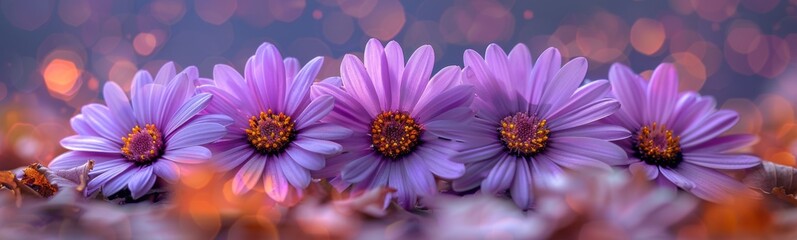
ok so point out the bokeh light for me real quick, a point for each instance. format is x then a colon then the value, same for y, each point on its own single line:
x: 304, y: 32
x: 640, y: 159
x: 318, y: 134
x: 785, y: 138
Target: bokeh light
x: 647, y: 36
x: 61, y: 76
x: 55, y: 57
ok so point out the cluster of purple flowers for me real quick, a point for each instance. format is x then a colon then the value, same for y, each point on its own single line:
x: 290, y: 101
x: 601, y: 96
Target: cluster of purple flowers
x: 502, y: 124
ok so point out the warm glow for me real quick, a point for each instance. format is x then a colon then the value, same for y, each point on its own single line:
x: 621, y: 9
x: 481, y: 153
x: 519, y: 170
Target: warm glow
x: 647, y: 36
x: 145, y: 43
x: 60, y: 76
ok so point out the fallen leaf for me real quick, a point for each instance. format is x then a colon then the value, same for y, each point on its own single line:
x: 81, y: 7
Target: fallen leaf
x: 774, y: 180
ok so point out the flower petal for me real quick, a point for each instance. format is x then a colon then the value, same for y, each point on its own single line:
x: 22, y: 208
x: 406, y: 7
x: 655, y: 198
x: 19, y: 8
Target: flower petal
x: 90, y: 144
x: 326, y: 131
x: 487, y: 152
x: 119, y: 105
x: 459, y: 96
x: 711, y: 127
x: 176, y: 93
x: 585, y: 95
x: 584, y: 149
x: 724, y: 144
x: 141, y: 79
x: 72, y: 159
x: 300, y: 87
x: 118, y: 181
x: 501, y: 176
x: 102, y: 179
x: 379, y: 70
x: 691, y: 110
x: 662, y: 94
x: 190, y: 155
x: 267, y: 73
x: 228, y: 79
x: 358, y: 83
x: 722, y: 161
x: 82, y: 126
x: 650, y: 172
x: 520, y: 69
x: 599, y: 131
x: 393, y: 67
x: 474, y: 175
x: 141, y: 182
x: 559, y: 90
x: 167, y: 170
x: 104, y: 123
x: 714, y: 186
x: 585, y: 114
x: 629, y: 89
x: 165, y: 73
x: 521, y: 186
x: 274, y: 182
x: 249, y: 174
x: 347, y: 109
x: 439, y: 164
x: 307, y: 159
x: 420, y: 180
x: 186, y: 111
x: 416, y: 76
x: 147, y: 104
x: 296, y: 175
x: 677, y: 178
x: 195, y: 134
x: 545, y: 68
x: 397, y: 179
x: 358, y: 169
x: 318, y: 109
x: 229, y: 155
x: 498, y: 61
x: 545, y: 171
x: 318, y: 146
x: 445, y: 79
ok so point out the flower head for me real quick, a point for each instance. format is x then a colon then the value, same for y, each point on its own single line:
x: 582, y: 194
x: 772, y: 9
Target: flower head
x: 534, y: 122
x: 403, y: 119
x: 276, y: 135
x: 675, y: 138
x: 135, y: 144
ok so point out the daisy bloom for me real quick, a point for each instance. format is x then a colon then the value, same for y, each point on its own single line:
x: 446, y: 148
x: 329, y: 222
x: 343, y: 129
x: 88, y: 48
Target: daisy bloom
x: 403, y: 119
x: 675, y: 138
x: 135, y: 144
x: 275, y: 137
x: 533, y: 122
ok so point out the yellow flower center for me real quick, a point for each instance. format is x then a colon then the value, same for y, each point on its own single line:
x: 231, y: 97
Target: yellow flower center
x: 270, y: 132
x: 524, y: 135
x: 143, y: 145
x: 395, y: 134
x: 656, y: 145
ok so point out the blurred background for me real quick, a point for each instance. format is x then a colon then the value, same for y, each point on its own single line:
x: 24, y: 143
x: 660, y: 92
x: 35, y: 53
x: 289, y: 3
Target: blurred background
x: 56, y: 55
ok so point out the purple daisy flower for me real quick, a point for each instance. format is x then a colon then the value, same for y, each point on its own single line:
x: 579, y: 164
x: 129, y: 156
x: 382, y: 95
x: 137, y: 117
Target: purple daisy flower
x: 675, y: 138
x: 276, y: 135
x: 400, y: 115
x: 134, y: 144
x: 533, y: 122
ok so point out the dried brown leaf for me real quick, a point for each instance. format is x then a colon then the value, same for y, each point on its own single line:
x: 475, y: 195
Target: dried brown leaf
x: 768, y: 176
x: 36, y: 180
x: 777, y: 182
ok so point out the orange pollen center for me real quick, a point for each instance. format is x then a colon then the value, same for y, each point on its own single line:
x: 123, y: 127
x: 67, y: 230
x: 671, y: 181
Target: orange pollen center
x: 524, y: 135
x: 656, y: 145
x: 270, y: 132
x: 395, y: 134
x: 143, y: 145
